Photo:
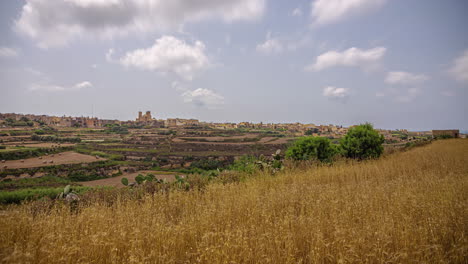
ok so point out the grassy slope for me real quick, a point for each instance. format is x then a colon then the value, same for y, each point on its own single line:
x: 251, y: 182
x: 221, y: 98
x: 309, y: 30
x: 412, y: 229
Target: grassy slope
x: 410, y: 207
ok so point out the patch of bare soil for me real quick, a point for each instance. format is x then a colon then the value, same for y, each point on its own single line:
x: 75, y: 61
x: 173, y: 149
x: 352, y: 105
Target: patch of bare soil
x: 68, y: 157
x: 278, y: 141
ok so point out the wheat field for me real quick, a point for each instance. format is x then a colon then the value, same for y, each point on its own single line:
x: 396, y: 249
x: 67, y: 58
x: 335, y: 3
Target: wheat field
x: 408, y: 207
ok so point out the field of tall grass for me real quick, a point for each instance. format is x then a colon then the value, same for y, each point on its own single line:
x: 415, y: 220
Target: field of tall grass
x: 408, y: 207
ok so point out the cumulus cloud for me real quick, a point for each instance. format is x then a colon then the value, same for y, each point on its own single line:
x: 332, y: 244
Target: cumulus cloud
x: 335, y: 92
x: 8, y: 52
x: 169, y: 54
x: 203, y: 98
x: 400, y: 77
x: 59, y: 88
x: 351, y: 57
x: 55, y: 23
x: 459, y: 69
x: 331, y: 11
x: 270, y: 46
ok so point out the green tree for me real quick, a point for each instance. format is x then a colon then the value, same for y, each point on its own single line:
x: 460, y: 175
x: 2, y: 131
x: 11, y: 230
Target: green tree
x: 362, y: 142
x: 307, y: 148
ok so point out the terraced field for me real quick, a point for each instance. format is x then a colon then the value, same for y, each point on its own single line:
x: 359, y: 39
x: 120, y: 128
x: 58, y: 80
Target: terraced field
x: 68, y: 157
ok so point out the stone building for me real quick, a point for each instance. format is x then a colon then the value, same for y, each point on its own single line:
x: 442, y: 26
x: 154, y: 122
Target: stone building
x: 144, y: 118
x: 455, y: 133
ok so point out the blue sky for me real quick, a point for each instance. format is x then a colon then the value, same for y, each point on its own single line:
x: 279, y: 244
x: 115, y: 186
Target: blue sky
x: 395, y: 63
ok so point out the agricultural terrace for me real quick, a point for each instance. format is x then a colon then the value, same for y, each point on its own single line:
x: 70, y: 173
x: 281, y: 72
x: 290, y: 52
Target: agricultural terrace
x: 407, y: 207
x: 103, y: 156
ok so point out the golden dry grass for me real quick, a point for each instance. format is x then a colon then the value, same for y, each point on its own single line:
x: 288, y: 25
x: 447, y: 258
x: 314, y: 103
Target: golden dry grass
x: 409, y: 207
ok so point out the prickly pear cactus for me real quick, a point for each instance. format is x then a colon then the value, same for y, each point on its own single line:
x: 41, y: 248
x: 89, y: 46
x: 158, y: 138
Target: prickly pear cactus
x: 124, y: 181
x: 139, y: 179
x: 66, y: 190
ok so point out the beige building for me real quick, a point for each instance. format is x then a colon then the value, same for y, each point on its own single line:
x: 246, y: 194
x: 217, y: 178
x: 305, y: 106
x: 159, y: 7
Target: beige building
x: 450, y: 132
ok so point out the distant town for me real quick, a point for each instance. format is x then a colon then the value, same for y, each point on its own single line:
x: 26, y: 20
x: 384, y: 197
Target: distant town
x: 146, y: 120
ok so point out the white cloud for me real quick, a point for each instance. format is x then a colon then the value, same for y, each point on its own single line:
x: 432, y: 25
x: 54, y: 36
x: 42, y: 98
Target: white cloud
x: 56, y: 23
x: 169, y: 54
x: 335, y: 92
x: 203, y: 98
x: 270, y: 46
x: 59, y: 88
x: 331, y: 11
x: 8, y: 52
x: 410, y: 95
x: 350, y: 57
x: 460, y: 68
x: 405, y: 78
x: 179, y: 86
x: 109, y: 55
x: 82, y: 85
x: 296, y: 12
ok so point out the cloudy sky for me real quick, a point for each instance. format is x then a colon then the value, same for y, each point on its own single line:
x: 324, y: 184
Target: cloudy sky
x: 395, y: 63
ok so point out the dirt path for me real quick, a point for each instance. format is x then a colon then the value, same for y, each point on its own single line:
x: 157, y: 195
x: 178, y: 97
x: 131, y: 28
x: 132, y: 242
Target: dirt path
x: 116, y: 181
x: 68, y: 157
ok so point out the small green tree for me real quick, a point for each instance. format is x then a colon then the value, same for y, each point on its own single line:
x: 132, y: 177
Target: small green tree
x: 308, y: 148
x: 362, y: 142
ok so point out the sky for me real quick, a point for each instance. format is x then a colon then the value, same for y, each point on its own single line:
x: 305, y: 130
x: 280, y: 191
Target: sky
x: 398, y: 64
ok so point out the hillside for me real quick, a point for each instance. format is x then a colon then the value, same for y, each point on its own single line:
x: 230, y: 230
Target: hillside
x: 408, y: 207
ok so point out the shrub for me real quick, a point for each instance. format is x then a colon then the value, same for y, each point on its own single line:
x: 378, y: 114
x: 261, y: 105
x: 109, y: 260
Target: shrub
x: 206, y: 164
x: 244, y: 164
x: 311, y: 131
x: 362, y: 142
x: 308, y: 148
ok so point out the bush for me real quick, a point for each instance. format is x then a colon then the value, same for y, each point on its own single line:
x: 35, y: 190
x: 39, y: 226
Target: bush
x: 207, y: 164
x: 308, y: 148
x: 362, y: 142
x: 311, y: 131
x: 244, y: 164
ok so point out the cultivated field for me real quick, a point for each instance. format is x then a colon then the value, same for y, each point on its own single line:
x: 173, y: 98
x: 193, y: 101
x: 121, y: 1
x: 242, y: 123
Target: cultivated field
x: 409, y: 207
x: 68, y: 157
